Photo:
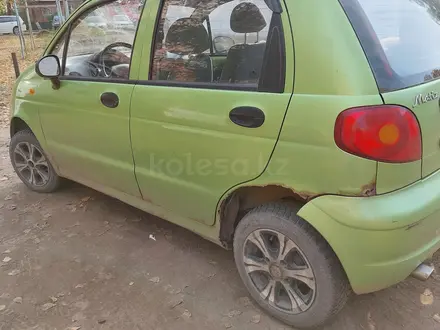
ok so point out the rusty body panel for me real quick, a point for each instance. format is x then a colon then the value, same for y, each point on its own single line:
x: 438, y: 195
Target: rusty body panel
x: 240, y: 201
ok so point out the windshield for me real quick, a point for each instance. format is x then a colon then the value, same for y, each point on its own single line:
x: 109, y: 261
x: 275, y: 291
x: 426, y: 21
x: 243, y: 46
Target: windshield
x: 400, y: 38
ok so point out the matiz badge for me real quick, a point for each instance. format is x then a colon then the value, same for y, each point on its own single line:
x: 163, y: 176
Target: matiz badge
x: 422, y: 99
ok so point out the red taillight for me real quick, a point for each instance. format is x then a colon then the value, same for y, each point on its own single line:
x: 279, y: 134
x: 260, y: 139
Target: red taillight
x: 387, y: 133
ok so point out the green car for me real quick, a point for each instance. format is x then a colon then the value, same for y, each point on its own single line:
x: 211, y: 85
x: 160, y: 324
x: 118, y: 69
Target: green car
x: 304, y: 135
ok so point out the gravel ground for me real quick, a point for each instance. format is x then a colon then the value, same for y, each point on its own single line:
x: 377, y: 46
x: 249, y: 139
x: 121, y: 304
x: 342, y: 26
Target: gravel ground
x: 80, y: 260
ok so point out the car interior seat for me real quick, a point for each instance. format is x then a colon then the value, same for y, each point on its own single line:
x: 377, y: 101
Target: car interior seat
x: 188, y: 39
x: 244, y: 61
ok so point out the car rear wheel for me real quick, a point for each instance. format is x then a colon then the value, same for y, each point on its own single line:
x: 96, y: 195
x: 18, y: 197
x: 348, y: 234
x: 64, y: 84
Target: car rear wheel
x: 15, y: 30
x: 31, y: 164
x: 288, y: 268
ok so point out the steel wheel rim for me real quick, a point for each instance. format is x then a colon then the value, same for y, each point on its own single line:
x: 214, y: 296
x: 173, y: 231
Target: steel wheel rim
x: 31, y: 164
x: 279, y: 271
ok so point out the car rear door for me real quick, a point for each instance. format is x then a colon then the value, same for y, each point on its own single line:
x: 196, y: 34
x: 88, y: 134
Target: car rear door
x: 196, y: 130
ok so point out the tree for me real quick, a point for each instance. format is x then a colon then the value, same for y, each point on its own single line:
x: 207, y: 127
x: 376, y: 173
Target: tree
x: 3, y: 8
x: 9, y: 6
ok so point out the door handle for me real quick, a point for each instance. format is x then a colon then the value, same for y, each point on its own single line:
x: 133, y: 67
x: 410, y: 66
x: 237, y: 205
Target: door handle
x: 109, y: 99
x: 249, y: 117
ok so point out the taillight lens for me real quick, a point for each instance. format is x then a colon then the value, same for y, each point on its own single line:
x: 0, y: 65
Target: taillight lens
x: 387, y: 133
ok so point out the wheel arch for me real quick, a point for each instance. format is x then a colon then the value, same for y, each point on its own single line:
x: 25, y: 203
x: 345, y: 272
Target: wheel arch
x: 241, y: 200
x: 18, y: 124
x: 25, y: 121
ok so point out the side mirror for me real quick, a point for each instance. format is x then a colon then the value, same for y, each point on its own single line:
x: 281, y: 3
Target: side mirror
x: 49, y: 67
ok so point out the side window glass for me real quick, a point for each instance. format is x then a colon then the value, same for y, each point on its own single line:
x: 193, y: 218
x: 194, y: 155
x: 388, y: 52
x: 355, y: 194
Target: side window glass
x: 101, y: 41
x: 211, y: 41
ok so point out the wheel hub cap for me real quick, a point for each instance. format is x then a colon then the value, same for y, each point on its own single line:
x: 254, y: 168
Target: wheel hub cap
x: 276, y: 271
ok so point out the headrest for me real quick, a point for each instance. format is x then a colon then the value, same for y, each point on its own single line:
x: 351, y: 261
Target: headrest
x: 187, y: 36
x: 247, y: 18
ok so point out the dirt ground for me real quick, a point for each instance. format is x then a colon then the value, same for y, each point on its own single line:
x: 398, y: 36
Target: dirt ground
x: 80, y: 260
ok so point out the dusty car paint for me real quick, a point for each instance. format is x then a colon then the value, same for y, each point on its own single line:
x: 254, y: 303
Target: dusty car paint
x: 215, y: 153
x: 379, y: 240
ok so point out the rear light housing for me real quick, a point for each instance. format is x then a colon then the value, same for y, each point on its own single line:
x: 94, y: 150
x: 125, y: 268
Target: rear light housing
x: 385, y: 133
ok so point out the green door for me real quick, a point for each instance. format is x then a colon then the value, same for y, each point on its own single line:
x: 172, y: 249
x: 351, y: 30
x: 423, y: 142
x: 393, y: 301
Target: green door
x: 207, y: 112
x: 86, y: 121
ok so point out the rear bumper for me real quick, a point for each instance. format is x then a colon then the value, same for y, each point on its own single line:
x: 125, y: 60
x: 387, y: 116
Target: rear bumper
x: 380, y: 240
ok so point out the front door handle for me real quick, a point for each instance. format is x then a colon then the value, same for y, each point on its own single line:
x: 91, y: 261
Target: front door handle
x: 249, y: 117
x: 110, y: 100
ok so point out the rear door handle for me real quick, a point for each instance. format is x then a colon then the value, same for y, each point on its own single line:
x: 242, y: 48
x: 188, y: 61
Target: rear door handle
x: 249, y: 117
x: 109, y: 99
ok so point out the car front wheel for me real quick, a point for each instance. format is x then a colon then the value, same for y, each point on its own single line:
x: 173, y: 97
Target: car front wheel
x: 31, y: 164
x: 288, y: 268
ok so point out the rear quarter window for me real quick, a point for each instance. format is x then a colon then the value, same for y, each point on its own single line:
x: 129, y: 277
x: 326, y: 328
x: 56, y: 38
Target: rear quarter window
x: 401, y: 39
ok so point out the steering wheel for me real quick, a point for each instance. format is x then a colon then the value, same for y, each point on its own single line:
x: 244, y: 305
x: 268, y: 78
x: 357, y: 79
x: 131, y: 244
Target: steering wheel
x: 106, y: 50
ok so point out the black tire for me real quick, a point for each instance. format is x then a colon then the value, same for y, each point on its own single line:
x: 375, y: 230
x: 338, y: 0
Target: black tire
x: 47, y: 183
x: 16, y: 31
x: 332, y: 287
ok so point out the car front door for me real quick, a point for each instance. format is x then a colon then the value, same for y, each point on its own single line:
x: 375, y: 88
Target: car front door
x: 86, y: 120
x: 201, y: 121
